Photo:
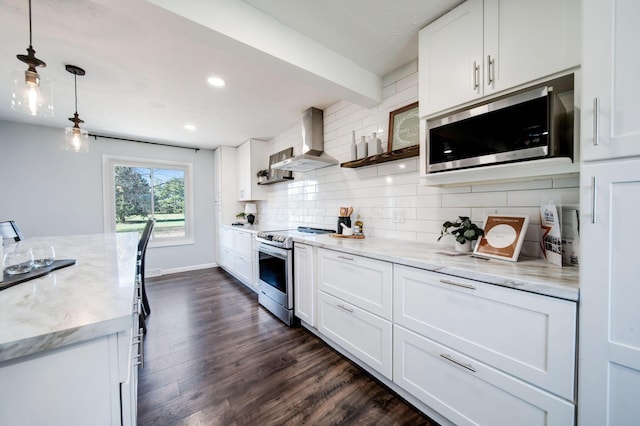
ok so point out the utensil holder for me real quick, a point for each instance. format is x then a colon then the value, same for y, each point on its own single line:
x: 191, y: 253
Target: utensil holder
x: 343, y: 219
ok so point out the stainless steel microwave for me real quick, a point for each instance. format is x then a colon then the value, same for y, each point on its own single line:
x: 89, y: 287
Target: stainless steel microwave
x: 531, y: 124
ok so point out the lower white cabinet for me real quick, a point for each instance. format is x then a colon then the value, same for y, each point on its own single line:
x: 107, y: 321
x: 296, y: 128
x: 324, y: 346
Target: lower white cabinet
x: 365, y: 335
x: 304, y: 283
x: 74, y: 385
x: 359, y: 280
x: 530, y: 336
x: 469, y: 392
x: 237, y: 255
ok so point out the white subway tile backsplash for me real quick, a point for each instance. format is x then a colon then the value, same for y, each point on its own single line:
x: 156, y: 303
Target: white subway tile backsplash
x: 389, y: 196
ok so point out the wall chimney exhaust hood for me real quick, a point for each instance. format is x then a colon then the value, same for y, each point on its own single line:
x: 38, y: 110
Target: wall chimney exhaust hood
x: 312, y: 146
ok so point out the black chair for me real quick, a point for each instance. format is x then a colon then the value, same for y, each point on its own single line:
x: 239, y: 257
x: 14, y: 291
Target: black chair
x: 142, y: 250
x: 9, y: 229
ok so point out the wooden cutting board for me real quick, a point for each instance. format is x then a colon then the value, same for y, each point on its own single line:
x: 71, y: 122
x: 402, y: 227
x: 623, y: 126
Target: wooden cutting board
x: 356, y: 237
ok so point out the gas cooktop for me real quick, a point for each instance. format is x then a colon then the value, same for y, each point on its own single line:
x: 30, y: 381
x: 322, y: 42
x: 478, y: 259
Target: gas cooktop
x: 284, y: 238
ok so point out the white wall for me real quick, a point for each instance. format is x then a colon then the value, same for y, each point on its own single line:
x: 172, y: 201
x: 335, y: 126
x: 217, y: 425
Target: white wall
x: 49, y: 191
x: 388, y: 196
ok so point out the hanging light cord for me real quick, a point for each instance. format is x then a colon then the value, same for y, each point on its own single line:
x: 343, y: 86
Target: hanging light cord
x: 30, y: 36
x: 75, y: 90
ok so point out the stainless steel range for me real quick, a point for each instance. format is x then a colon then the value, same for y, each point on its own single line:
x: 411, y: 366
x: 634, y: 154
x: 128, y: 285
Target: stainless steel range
x: 275, y: 269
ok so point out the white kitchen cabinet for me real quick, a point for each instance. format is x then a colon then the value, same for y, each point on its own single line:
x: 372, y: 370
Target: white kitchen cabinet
x: 226, y: 184
x: 469, y: 392
x: 304, y: 283
x: 485, y: 47
x: 68, y: 385
x: 251, y: 157
x: 362, y: 281
x: 610, y: 84
x: 237, y: 255
x: 609, y: 355
x: 529, y: 336
x: 363, y: 334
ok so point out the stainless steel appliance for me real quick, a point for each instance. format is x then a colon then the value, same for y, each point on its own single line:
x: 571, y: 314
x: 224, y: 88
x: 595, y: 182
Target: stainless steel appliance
x: 275, y: 269
x: 531, y: 124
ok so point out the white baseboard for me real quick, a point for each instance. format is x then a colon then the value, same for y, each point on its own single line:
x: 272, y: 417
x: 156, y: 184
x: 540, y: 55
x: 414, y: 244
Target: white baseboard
x: 160, y: 272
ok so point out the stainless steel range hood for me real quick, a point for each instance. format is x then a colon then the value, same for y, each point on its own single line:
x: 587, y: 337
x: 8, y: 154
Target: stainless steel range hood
x: 312, y: 146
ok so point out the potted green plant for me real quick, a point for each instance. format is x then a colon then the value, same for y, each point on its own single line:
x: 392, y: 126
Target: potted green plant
x: 464, y: 232
x: 262, y: 175
x: 241, y: 215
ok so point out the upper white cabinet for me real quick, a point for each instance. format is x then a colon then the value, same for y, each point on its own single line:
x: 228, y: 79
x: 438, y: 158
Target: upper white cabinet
x: 485, y: 47
x: 225, y: 185
x: 611, y: 82
x: 251, y: 157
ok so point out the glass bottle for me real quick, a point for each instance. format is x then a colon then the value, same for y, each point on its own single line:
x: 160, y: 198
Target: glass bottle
x: 357, y: 226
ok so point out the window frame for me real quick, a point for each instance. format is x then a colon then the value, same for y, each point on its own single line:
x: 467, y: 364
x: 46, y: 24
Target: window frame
x: 109, y: 163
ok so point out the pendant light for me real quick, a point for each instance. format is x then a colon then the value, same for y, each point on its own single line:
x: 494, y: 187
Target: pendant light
x: 31, y: 95
x: 77, y: 138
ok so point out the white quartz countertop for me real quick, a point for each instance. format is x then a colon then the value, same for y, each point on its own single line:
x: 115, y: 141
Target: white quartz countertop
x: 532, y: 275
x: 90, y: 299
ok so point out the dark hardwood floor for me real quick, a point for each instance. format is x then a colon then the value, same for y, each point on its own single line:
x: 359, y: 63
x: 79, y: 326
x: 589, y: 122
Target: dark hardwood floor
x: 213, y: 356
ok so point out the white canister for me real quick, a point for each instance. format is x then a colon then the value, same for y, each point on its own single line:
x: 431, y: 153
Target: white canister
x: 362, y: 148
x: 375, y: 145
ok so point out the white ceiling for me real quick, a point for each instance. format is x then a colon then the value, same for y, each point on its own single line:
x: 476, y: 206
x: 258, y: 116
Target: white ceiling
x: 147, y: 62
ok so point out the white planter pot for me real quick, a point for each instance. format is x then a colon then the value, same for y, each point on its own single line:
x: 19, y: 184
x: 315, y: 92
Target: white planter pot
x: 462, y: 248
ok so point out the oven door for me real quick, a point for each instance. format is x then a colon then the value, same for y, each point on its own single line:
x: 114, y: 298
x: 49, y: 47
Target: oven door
x: 275, y: 271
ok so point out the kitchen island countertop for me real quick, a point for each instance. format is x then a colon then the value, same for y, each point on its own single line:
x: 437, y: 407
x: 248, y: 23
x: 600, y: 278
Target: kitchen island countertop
x: 90, y: 299
x: 528, y: 274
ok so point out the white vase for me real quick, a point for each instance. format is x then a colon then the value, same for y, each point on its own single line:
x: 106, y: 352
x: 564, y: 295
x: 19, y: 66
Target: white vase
x: 462, y: 248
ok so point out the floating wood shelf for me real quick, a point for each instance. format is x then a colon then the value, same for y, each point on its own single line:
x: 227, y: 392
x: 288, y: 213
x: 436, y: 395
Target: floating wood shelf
x: 272, y: 181
x: 398, y: 154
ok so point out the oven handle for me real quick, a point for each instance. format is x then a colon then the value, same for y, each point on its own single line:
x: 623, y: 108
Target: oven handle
x: 274, y: 251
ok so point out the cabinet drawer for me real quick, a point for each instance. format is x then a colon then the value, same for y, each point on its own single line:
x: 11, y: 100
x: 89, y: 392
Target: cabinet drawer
x: 226, y: 258
x: 366, y: 336
x: 527, y: 335
x: 359, y: 280
x: 243, y: 243
x: 469, y: 392
x: 243, y: 268
x: 226, y: 237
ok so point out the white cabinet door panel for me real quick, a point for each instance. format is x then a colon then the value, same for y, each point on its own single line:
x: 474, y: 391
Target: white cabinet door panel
x: 469, y: 392
x: 303, y: 283
x: 365, y: 335
x: 226, y: 237
x: 611, y: 66
x: 243, y: 242
x: 528, y: 335
x: 243, y: 267
x: 609, y: 294
x: 359, y: 280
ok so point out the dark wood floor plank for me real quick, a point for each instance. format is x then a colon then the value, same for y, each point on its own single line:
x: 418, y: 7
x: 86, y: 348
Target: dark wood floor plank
x: 213, y: 356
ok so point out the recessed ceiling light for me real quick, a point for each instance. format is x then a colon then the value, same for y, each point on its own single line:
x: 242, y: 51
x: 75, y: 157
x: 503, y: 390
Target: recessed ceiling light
x: 190, y: 127
x: 216, y: 81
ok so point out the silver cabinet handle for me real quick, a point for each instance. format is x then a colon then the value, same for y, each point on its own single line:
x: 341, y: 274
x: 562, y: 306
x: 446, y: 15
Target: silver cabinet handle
x: 476, y: 75
x: 490, y: 70
x: 461, y: 364
x: 344, y: 308
x: 594, y: 217
x: 345, y: 257
x: 470, y: 287
x: 596, y: 122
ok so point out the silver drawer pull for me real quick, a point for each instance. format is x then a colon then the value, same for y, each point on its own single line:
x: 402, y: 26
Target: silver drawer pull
x: 344, y: 308
x: 470, y: 287
x: 345, y: 257
x: 461, y: 364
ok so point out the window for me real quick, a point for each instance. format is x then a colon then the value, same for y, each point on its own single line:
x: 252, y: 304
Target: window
x: 135, y: 190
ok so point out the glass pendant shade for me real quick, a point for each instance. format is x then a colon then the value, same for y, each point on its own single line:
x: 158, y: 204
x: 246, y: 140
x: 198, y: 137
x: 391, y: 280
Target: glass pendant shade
x: 77, y: 140
x: 31, y: 94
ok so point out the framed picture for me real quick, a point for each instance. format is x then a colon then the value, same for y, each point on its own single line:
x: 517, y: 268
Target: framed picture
x: 404, y: 127
x: 503, y: 236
